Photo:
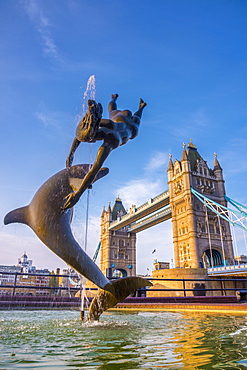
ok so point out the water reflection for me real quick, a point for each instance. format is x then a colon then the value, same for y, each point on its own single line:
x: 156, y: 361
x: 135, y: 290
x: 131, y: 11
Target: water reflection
x: 206, y: 341
x: 57, y: 339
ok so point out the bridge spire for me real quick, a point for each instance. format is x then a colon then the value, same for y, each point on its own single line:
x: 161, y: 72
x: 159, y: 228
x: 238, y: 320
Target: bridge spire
x: 184, y: 154
x: 109, y: 207
x: 216, y: 163
x: 170, y: 164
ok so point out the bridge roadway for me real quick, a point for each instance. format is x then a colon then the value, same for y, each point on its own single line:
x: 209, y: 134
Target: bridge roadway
x: 240, y: 269
x: 151, y: 213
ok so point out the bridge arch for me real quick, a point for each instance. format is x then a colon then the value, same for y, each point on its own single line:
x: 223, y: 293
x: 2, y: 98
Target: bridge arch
x: 211, y: 258
x: 120, y: 273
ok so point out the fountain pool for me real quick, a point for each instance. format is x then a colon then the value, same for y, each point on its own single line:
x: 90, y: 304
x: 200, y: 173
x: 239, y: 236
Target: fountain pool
x: 137, y: 340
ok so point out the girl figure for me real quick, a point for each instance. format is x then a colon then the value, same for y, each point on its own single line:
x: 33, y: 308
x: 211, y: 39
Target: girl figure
x: 115, y: 131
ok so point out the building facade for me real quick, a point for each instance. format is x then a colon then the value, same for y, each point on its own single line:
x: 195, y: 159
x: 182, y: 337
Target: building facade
x: 24, y: 279
x: 8, y: 278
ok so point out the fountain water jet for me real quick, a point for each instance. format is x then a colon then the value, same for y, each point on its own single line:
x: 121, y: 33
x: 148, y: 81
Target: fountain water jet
x: 89, y: 93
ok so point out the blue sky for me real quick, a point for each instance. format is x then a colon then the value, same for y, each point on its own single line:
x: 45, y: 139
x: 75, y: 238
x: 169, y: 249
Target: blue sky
x: 186, y: 58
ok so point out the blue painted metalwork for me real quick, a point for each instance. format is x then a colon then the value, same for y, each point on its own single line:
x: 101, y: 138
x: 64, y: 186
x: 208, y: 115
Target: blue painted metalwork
x: 239, y: 206
x: 222, y: 211
x: 96, y: 252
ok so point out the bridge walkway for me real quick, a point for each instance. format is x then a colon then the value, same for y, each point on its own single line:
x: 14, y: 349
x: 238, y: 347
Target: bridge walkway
x: 149, y: 208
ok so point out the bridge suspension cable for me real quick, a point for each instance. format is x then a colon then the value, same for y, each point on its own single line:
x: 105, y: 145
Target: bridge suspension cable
x: 235, y: 217
x: 96, y: 252
x: 240, y: 207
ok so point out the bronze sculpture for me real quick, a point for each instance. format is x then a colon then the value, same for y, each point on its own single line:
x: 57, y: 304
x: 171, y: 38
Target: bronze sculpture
x: 118, y: 130
x: 50, y: 217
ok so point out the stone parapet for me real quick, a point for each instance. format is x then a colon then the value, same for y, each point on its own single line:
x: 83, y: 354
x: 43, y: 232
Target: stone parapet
x: 195, y: 280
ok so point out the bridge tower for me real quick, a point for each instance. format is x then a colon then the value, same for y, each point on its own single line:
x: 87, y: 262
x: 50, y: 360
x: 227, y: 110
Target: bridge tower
x: 200, y: 237
x: 118, y: 248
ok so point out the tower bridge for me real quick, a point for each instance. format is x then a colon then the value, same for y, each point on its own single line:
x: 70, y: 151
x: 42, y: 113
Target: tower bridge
x: 201, y: 236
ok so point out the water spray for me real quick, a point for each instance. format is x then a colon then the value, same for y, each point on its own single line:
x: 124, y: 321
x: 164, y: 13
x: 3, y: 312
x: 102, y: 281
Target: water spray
x: 90, y: 93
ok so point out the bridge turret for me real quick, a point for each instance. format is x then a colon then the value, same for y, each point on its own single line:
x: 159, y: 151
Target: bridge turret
x: 217, y: 166
x: 170, y: 164
x: 218, y: 172
x: 109, y: 208
x: 103, y: 211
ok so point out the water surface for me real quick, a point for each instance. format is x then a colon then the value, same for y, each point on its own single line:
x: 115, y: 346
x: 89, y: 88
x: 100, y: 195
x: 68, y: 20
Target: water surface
x: 144, y: 340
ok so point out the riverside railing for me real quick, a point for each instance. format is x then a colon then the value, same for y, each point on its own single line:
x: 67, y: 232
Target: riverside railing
x: 27, y: 283
x: 186, y: 287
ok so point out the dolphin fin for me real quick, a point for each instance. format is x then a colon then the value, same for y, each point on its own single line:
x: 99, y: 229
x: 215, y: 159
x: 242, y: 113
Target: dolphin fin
x: 19, y: 215
x: 116, y: 291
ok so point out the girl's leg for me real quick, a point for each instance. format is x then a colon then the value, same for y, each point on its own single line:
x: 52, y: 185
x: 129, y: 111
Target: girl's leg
x: 113, y: 105
x: 142, y: 105
x: 137, y: 115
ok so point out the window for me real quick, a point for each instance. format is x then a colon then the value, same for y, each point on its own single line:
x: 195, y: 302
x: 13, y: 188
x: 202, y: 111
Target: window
x: 121, y: 243
x: 211, y: 228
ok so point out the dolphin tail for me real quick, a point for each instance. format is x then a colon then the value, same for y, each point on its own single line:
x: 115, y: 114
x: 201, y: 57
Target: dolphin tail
x: 116, y: 291
x: 19, y: 215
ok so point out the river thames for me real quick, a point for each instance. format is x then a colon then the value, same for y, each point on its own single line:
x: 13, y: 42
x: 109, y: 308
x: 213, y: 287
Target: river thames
x: 138, y: 340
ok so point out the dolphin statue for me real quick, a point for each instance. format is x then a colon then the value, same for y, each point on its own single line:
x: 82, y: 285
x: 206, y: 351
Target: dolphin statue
x: 51, y: 223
